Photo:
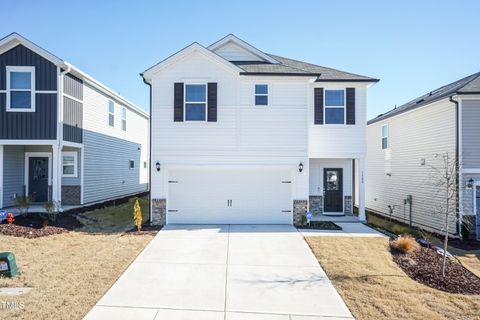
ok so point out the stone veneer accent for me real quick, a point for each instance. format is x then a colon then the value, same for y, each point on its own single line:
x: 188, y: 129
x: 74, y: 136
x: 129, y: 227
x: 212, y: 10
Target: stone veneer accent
x: 348, y: 206
x: 159, y: 212
x: 299, y: 210
x: 470, y: 221
x: 315, y: 204
x: 71, y: 194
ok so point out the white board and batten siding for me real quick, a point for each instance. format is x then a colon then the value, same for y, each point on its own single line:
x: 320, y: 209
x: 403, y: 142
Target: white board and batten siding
x: 413, y: 136
x: 108, y: 150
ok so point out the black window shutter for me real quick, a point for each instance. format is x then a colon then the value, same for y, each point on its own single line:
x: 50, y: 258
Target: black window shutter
x: 350, y: 105
x: 178, y: 102
x: 318, y: 105
x: 212, y: 102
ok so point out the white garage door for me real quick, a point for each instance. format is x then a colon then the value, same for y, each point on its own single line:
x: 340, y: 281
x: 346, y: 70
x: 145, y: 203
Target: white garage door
x: 229, y: 196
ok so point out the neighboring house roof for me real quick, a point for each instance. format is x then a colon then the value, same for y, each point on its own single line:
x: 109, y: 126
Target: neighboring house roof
x: 467, y: 85
x: 263, y: 63
x: 14, y: 39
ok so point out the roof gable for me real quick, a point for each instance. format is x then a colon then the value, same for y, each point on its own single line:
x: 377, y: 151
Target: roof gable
x: 14, y: 39
x: 232, y: 48
x: 194, y: 47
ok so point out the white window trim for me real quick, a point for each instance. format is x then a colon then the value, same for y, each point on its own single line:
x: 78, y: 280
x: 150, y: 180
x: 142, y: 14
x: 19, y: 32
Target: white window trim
x: 124, y: 118
x: 333, y: 107
x: 111, y: 113
x: 260, y: 95
x: 10, y: 69
x: 387, y: 136
x: 75, y: 164
x: 185, y: 101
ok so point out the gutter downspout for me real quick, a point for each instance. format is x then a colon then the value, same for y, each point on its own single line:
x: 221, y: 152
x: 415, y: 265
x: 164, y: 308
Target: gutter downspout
x: 457, y: 161
x: 149, y: 152
x: 60, y: 127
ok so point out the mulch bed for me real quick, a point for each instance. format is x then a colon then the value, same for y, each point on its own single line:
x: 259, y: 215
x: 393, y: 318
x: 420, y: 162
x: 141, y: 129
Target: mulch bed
x: 321, y: 225
x: 31, y: 226
x: 424, y: 266
x: 467, y: 245
x: 146, y: 229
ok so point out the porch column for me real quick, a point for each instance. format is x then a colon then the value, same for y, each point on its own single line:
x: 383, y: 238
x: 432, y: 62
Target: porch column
x: 361, y: 189
x: 56, y: 176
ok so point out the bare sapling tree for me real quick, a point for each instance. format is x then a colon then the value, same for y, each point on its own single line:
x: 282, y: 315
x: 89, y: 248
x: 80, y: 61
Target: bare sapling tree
x: 444, y: 177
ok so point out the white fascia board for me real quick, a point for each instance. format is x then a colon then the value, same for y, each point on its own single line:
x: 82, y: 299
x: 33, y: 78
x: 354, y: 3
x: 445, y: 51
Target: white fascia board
x: 149, y: 73
x: 232, y: 38
x: 14, y: 39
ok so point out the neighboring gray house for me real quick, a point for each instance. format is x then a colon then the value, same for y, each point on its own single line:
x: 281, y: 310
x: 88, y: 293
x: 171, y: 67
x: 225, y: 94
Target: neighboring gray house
x: 406, y: 142
x: 63, y: 135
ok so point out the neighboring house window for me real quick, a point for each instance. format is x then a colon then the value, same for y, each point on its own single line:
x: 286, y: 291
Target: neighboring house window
x: 131, y: 164
x: 145, y: 164
x: 261, y: 95
x: 69, y: 164
x: 385, y: 136
x: 334, y: 106
x: 20, y: 89
x: 111, y: 113
x: 195, y: 102
x: 124, y: 119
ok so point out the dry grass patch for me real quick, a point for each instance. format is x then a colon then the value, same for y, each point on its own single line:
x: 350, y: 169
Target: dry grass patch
x: 374, y: 287
x: 70, y: 272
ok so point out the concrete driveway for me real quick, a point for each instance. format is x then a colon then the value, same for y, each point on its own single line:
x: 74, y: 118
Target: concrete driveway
x: 223, y: 272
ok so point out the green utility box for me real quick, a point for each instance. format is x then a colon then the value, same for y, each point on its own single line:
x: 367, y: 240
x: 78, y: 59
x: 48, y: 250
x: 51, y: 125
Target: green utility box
x: 8, y: 265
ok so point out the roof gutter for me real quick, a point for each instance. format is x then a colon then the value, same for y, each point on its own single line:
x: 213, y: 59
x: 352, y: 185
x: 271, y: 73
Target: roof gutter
x: 457, y: 162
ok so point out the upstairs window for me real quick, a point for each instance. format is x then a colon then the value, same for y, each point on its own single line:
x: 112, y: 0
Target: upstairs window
x: 111, y: 113
x: 195, y: 102
x: 124, y: 119
x: 385, y: 136
x: 20, y: 89
x: 334, y: 106
x: 261, y: 95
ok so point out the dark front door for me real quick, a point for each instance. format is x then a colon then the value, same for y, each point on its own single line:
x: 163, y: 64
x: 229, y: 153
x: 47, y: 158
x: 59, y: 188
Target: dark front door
x: 333, y: 190
x: 38, y: 179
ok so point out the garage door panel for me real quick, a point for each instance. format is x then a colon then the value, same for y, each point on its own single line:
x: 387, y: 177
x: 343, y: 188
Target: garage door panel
x: 257, y: 195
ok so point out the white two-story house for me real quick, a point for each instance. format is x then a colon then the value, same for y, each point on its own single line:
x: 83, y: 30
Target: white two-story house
x: 241, y: 136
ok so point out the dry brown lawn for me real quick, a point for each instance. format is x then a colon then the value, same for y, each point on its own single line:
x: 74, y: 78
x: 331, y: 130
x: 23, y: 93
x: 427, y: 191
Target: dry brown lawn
x: 374, y: 287
x: 68, y: 272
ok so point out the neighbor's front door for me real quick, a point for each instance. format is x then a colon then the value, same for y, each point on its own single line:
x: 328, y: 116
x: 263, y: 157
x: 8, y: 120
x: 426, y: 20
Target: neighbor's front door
x: 333, y: 190
x: 38, y: 178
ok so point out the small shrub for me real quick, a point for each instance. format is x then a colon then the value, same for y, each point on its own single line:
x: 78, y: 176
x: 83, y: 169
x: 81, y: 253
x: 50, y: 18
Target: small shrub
x: 52, y: 209
x: 303, y: 220
x: 404, y: 244
x: 137, y: 215
x: 23, y: 202
x: 10, y: 218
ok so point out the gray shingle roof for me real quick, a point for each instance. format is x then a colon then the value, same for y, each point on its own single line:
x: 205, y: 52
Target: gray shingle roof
x: 298, y: 68
x: 467, y: 85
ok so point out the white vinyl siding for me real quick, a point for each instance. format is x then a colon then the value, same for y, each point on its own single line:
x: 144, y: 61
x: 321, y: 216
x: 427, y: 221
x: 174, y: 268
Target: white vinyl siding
x: 108, y: 150
x: 413, y: 136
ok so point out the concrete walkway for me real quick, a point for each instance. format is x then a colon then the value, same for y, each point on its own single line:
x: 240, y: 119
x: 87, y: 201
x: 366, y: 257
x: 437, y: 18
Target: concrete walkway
x: 223, y: 272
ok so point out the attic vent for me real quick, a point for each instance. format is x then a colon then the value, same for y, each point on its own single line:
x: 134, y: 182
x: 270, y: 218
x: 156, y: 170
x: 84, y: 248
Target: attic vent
x: 421, y: 100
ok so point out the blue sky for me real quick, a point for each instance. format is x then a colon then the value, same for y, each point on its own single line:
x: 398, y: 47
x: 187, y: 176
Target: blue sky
x: 412, y: 46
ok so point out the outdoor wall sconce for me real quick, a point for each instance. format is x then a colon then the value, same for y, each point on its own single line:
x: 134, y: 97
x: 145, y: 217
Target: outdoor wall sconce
x: 300, y: 167
x: 158, y: 166
x: 470, y: 183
